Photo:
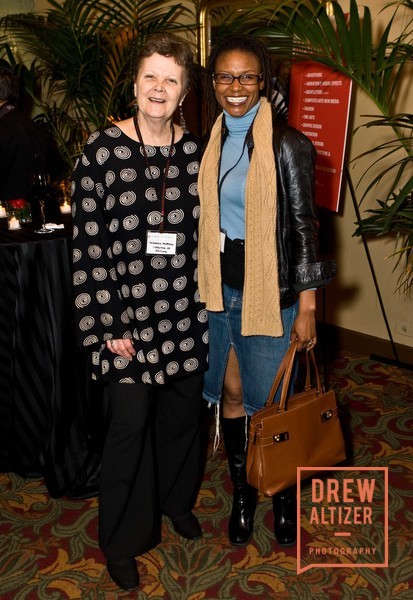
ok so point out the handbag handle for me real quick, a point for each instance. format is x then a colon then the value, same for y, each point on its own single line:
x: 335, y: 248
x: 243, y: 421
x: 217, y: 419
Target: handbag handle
x: 310, y: 353
x: 284, y: 372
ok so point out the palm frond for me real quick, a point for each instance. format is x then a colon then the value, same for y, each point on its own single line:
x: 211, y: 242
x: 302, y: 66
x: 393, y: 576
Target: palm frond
x: 84, y: 59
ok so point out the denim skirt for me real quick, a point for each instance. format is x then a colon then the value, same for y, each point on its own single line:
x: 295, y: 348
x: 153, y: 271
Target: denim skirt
x: 259, y: 356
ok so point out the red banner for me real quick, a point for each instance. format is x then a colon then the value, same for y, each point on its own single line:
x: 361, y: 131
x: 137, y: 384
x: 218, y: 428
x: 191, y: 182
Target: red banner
x: 319, y: 107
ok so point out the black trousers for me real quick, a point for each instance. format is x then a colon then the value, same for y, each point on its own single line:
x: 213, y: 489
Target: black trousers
x: 150, y: 462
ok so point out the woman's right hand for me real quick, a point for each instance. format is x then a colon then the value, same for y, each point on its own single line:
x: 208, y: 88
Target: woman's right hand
x: 123, y: 347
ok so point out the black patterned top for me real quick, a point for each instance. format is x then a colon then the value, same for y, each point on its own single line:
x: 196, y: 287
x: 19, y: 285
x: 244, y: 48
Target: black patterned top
x: 120, y: 290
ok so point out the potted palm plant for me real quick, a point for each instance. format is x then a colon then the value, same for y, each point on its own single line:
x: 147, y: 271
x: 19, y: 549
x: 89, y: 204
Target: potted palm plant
x: 322, y: 32
x: 82, y: 60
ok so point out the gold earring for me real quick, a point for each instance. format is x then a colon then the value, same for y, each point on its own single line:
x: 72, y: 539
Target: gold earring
x: 182, y: 120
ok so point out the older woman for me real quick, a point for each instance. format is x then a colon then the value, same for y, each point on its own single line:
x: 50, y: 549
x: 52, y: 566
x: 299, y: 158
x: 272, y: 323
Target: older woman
x: 135, y: 211
x: 258, y: 264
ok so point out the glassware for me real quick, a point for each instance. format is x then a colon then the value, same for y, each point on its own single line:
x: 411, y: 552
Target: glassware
x: 26, y: 213
x: 40, y: 187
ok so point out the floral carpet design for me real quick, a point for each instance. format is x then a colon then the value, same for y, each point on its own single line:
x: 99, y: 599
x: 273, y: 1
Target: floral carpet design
x: 48, y: 547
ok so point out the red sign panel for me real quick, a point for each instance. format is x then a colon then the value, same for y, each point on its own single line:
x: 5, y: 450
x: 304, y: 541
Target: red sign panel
x: 319, y: 107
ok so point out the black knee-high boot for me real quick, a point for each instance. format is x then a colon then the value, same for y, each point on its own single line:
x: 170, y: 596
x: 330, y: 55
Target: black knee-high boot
x: 245, y: 497
x: 285, y: 516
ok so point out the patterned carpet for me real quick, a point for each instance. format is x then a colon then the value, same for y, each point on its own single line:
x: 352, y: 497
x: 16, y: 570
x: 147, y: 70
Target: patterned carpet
x: 48, y: 547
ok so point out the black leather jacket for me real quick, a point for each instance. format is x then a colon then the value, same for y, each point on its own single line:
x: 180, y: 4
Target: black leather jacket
x: 299, y: 266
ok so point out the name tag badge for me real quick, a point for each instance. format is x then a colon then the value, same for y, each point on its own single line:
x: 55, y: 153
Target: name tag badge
x: 161, y: 243
x: 223, y: 235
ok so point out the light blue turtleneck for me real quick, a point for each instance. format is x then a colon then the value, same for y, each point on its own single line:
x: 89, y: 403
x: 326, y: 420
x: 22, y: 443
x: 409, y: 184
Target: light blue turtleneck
x: 233, y: 173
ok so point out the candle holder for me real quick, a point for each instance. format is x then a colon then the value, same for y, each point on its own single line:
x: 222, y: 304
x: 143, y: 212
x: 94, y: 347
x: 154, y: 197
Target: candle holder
x: 13, y: 219
x: 3, y: 211
x: 65, y: 208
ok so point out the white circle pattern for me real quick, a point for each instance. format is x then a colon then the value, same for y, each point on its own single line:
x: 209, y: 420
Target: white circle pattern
x: 164, y: 326
x: 158, y: 262
x: 79, y: 277
x: 87, y: 184
x: 89, y: 204
x: 160, y: 285
x: 154, y: 218
x: 182, y: 304
x: 117, y: 247
x: 118, y: 285
x: 183, y: 324
x: 122, y: 152
x: 147, y: 334
x: 102, y: 156
x: 178, y: 261
x: 190, y: 147
x: 131, y: 222
x: 133, y: 246
x: 187, y: 344
x: 173, y: 172
x: 172, y: 368
x: 172, y: 193
x: 110, y: 178
x: 110, y: 201
x: 99, y: 274
x: 128, y: 175
x: 180, y: 283
x: 94, y: 252
x: 193, y: 189
x: 176, y: 216
x: 193, y: 168
x: 106, y: 319
x: 151, y: 195
x: 168, y: 347
x: 114, y: 225
x: 139, y: 290
x: 82, y: 300
x: 113, y: 132
x: 161, y: 306
x: 152, y: 173
x: 127, y: 198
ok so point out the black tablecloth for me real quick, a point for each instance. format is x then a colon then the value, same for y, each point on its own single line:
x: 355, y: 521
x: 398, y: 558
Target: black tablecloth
x: 50, y: 416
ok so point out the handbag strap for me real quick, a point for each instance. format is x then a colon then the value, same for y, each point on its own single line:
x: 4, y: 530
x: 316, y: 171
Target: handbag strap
x: 310, y: 354
x: 284, y: 373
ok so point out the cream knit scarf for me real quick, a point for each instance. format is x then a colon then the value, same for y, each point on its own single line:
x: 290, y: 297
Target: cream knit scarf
x: 261, y: 313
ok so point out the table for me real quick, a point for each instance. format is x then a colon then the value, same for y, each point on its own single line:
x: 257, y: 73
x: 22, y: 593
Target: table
x: 51, y: 420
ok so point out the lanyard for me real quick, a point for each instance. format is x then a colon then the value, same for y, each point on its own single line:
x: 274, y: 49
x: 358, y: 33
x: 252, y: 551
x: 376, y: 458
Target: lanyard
x: 161, y: 198
x: 223, y: 177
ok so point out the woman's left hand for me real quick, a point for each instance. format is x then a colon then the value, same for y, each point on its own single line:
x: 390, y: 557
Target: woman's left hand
x: 304, y: 327
x: 123, y: 347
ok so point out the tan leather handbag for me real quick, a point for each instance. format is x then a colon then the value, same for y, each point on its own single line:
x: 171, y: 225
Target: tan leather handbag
x: 303, y: 431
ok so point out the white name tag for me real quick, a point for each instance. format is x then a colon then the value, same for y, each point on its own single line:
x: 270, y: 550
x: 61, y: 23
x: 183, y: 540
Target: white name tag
x: 161, y: 243
x: 222, y: 240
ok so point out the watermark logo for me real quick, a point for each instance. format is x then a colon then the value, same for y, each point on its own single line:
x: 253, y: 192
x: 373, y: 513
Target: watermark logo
x: 342, y: 517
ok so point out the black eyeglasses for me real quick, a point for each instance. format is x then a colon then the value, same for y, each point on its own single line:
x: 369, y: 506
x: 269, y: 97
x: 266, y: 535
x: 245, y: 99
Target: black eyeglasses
x: 244, y: 79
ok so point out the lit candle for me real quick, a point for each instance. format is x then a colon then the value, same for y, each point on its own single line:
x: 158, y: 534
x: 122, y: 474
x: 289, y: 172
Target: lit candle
x: 13, y: 223
x: 65, y: 208
x: 3, y: 213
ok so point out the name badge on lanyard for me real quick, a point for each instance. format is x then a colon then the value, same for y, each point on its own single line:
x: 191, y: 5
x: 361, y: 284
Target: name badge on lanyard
x: 161, y: 243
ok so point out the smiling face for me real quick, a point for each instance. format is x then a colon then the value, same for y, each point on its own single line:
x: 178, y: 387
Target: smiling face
x: 159, y: 87
x: 235, y: 98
